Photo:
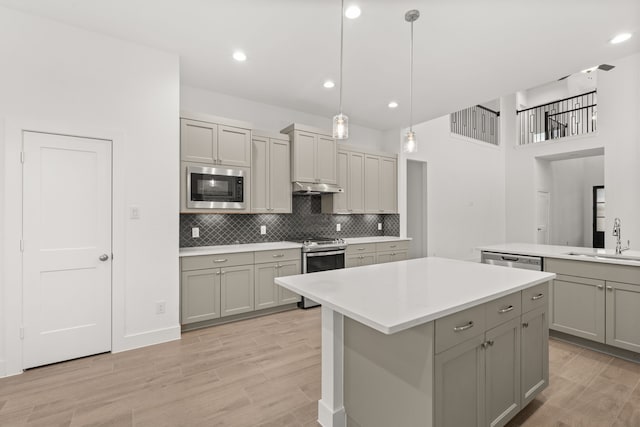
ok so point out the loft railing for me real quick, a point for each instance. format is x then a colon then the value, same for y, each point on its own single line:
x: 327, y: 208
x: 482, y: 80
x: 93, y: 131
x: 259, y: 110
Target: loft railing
x: 572, y: 116
x: 477, y: 122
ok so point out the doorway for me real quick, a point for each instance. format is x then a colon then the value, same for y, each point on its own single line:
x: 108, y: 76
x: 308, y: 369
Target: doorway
x: 542, y: 230
x: 67, y: 241
x: 417, y: 208
x: 598, y: 216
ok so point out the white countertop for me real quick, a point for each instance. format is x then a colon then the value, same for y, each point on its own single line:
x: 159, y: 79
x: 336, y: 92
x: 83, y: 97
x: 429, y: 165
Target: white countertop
x: 373, y: 239
x: 396, y: 296
x: 268, y: 246
x: 561, y: 252
x: 245, y: 247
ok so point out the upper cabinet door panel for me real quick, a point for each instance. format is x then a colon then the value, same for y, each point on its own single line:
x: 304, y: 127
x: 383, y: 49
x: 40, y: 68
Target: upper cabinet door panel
x: 371, y: 187
x: 304, y: 156
x: 280, y: 176
x: 356, y: 183
x: 326, y: 160
x: 388, y: 185
x: 198, y: 141
x: 234, y: 146
x: 260, y: 174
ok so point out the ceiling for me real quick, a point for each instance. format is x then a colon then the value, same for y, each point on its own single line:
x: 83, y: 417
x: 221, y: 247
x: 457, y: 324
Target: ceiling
x: 466, y: 51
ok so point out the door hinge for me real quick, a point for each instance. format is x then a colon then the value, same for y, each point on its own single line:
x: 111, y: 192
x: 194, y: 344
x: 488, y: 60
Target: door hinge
x: 21, y: 245
x: 21, y: 333
x: 22, y: 157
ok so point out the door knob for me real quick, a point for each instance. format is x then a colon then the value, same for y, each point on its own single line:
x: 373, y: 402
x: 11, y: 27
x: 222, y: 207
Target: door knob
x: 103, y: 257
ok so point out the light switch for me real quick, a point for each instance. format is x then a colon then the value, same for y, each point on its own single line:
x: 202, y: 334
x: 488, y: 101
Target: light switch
x: 134, y: 212
x: 263, y: 229
x: 195, y: 232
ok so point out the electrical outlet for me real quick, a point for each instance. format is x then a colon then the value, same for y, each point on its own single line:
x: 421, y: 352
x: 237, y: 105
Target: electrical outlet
x: 134, y: 212
x: 161, y: 307
x: 195, y: 232
x: 263, y: 229
x: 338, y: 227
x: 379, y: 226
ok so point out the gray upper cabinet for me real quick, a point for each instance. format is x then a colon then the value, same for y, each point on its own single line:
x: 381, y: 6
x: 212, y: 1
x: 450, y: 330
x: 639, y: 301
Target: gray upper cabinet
x: 313, y: 155
x: 338, y: 202
x: 214, y: 144
x: 270, y: 173
x: 372, y: 189
x: 388, y: 185
x: 356, y: 183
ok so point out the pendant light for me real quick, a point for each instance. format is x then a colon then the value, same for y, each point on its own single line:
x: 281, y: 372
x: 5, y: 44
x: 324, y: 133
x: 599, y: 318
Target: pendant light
x: 410, y: 144
x: 341, y: 121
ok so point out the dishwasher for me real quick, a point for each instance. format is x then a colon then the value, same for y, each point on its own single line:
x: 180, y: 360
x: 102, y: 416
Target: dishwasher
x: 514, y: 261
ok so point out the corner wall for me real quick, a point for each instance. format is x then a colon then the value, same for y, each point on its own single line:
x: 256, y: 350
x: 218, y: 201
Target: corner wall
x: 58, y: 78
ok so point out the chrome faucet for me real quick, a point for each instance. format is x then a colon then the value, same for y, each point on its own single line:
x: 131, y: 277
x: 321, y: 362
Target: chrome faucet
x: 616, y: 232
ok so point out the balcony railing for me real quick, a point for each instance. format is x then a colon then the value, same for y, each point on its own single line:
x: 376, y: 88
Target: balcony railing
x: 477, y: 122
x: 567, y: 117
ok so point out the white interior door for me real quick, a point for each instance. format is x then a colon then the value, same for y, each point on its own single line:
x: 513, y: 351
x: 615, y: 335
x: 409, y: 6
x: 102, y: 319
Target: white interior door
x: 542, y: 218
x: 67, y: 247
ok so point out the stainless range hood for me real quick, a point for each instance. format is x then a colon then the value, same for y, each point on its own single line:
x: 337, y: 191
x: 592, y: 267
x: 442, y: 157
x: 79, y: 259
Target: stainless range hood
x: 311, y: 188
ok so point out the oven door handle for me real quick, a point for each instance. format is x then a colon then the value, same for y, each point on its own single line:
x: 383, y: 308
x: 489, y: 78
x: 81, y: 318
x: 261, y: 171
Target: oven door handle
x: 316, y: 254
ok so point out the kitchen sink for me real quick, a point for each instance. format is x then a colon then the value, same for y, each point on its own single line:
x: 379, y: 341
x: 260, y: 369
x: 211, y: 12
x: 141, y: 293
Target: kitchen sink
x: 605, y: 256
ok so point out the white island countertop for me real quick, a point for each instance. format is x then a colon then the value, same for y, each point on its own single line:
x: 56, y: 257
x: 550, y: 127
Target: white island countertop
x: 396, y: 296
x: 628, y: 257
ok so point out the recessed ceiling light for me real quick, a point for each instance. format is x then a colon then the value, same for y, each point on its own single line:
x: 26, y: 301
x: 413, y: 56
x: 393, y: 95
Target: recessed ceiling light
x: 239, y: 56
x: 622, y: 37
x: 329, y: 84
x: 352, y: 12
x: 393, y: 104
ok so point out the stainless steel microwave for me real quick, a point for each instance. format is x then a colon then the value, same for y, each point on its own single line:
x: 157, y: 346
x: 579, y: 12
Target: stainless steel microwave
x: 215, y: 188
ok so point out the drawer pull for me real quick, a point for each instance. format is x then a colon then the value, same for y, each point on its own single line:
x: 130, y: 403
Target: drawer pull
x: 536, y: 297
x: 393, y: 246
x: 525, y: 325
x: 360, y: 249
x: 393, y: 254
x: 609, y: 288
x: 506, y: 309
x: 600, y: 287
x: 220, y: 260
x: 463, y: 327
x: 278, y: 255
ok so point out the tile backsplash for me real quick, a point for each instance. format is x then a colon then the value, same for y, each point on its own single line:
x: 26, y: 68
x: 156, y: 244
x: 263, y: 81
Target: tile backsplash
x: 305, y: 221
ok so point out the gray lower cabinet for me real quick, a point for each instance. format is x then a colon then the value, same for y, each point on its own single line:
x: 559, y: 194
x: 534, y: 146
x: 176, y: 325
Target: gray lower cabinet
x: 596, y: 301
x: 236, y: 290
x: 392, y: 256
x: 534, y: 360
x: 200, y: 295
x: 267, y: 293
x: 359, y: 260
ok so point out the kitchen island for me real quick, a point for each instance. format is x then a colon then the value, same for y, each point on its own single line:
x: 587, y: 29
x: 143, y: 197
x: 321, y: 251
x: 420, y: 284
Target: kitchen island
x: 428, y: 342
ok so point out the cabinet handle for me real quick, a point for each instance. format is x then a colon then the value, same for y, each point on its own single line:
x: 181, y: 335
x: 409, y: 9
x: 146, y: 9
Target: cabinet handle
x: 360, y: 249
x: 220, y: 260
x: 483, y: 345
x: 609, y: 288
x: 463, y: 327
x: 506, y: 309
x: 361, y: 257
x: 278, y: 255
x: 490, y: 342
x: 218, y: 273
x: 601, y: 287
x: 525, y: 325
x: 537, y: 297
x: 393, y: 246
x: 222, y: 272
x: 393, y: 254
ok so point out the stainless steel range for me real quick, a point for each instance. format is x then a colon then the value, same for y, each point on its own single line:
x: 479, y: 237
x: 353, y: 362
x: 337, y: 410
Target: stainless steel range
x: 321, y: 254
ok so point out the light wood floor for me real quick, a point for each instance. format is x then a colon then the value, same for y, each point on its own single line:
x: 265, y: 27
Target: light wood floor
x: 266, y: 372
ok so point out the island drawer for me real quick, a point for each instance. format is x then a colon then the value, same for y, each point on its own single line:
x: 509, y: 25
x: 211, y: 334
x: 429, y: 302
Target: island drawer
x: 220, y: 260
x: 459, y: 327
x: 537, y: 296
x: 363, y: 248
x: 278, y: 255
x: 398, y: 245
x: 503, y: 309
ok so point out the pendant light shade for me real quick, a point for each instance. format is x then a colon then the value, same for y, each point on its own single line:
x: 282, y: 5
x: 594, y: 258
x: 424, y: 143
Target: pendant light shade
x: 410, y: 143
x: 341, y: 121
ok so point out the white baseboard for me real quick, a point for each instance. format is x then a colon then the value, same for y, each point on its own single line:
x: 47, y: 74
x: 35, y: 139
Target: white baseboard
x: 147, y: 338
x: 327, y: 417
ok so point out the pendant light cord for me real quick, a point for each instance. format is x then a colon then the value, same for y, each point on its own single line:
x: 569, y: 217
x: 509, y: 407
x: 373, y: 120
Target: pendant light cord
x: 411, y: 83
x: 341, y: 48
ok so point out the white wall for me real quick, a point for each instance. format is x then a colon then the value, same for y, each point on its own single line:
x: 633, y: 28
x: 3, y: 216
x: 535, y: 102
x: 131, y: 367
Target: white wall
x: 618, y: 135
x: 268, y: 117
x: 575, y: 84
x: 59, y: 78
x: 465, y: 191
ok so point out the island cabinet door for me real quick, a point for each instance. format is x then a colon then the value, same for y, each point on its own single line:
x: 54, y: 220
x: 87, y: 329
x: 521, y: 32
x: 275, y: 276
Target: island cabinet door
x: 577, y: 307
x: 460, y: 385
x: 535, y: 354
x: 623, y: 315
x: 502, y: 387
